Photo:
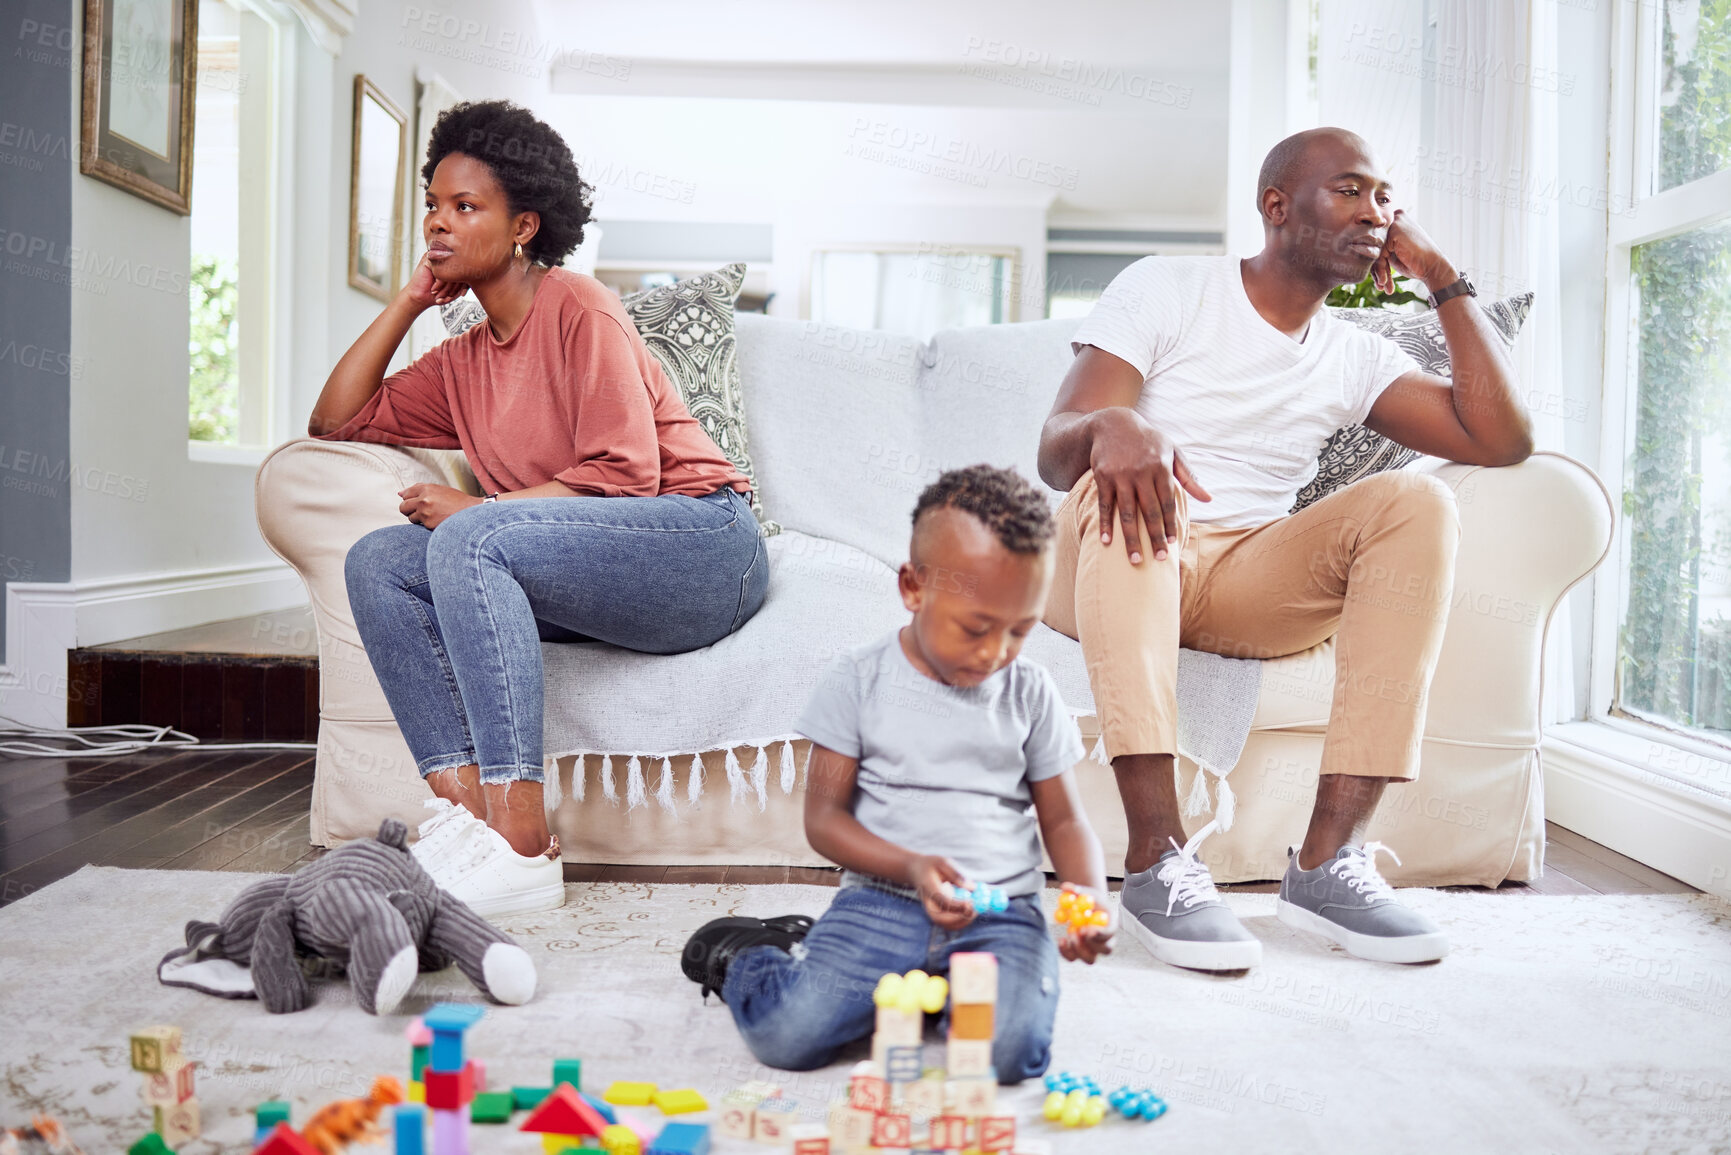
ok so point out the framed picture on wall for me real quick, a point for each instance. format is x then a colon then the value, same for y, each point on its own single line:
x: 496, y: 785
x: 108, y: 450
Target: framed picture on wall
x: 140, y: 66
x: 377, y: 157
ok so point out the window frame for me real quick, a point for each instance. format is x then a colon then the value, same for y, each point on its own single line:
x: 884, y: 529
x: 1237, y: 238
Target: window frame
x: 264, y: 399
x: 1635, y: 216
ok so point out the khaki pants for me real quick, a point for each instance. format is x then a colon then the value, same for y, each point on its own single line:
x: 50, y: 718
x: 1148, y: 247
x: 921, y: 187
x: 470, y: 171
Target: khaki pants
x: 1371, y: 565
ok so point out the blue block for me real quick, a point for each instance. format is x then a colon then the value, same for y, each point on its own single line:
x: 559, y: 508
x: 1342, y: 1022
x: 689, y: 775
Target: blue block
x: 411, y: 1129
x: 681, y: 1139
x: 448, y: 1021
x: 601, y: 1105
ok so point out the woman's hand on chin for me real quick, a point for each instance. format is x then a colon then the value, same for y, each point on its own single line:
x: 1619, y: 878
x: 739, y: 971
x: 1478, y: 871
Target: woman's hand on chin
x: 425, y: 290
x: 428, y: 505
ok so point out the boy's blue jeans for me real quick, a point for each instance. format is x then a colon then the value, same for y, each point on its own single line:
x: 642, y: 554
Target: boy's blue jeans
x: 797, y: 1011
x: 453, y: 618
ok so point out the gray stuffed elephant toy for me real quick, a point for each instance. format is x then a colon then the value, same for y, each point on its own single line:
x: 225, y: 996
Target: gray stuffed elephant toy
x: 367, y: 907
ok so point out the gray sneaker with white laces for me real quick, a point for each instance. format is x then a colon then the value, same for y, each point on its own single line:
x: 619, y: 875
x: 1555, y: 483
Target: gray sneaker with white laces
x: 1346, y: 900
x: 1174, y: 911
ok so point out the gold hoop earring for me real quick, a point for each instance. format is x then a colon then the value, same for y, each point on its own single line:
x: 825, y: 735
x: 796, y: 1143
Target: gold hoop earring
x: 517, y: 250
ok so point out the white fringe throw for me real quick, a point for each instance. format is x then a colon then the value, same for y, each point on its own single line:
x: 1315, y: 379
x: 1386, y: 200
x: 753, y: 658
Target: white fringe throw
x: 760, y: 777
x: 664, y: 791
x: 1197, y: 801
x: 694, y: 780
x: 579, y: 776
x: 550, y: 796
x: 735, y: 777
x: 788, y: 772
x: 609, y: 791
x: 635, y: 793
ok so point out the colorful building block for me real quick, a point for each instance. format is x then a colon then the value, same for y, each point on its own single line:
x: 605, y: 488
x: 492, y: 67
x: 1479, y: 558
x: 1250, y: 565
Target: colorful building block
x: 772, y: 1120
x: 268, y: 1114
x: 950, y: 1132
x: 972, y: 1020
x: 618, y: 1139
x: 450, y: 1132
x: 680, y: 1101
x: 850, y: 1129
x: 450, y: 1090
x: 902, y: 1064
x: 889, y: 1130
x: 417, y: 1092
x: 630, y: 1094
x: 153, y: 1047
x: 177, y: 1124
x: 923, y: 1098
x: 491, y: 1107
x: 738, y: 1113
x: 972, y: 1097
x: 150, y: 1144
x: 809, y: 1139
x: 997, y: 1133
x: 898, y: 1027
x: 601, y: 1107
x: 568, y: 1071
x: 869, y: 1092
x: 968, y: 1058
x: 565, y: 1112
x: 681, y: 1139
x: 448, y: 1022
x: 168, y: 1086
x: 409, y: 1129
x: 526, y: 1098
x: 973, y: 977
x: 284, y: 1141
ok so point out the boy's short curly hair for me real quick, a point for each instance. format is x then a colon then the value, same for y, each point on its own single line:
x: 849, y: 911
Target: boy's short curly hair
x: 530, y: 161
x: 1003, y: 501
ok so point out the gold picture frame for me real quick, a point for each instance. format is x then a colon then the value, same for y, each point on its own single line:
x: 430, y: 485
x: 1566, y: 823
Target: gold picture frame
x: 377, y: 158
x: 137, y: 135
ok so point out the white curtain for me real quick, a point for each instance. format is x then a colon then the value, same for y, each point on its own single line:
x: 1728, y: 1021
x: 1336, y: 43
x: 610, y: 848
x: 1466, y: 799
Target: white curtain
x: 1459, y: 98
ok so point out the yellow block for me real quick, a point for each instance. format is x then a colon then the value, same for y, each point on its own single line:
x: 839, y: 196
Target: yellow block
x: 557, y: 1144
x: 417, y: 1092
x: 618, y: 1139
x: 680, y: 1101
x: 630, y: 1094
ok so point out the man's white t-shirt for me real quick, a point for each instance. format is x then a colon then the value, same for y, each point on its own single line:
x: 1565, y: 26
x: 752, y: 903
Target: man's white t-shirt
x: 1249, y: 406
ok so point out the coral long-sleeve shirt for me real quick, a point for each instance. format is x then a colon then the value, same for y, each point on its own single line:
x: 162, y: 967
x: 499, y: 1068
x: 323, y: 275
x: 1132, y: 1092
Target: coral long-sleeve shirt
x: 574, y: 396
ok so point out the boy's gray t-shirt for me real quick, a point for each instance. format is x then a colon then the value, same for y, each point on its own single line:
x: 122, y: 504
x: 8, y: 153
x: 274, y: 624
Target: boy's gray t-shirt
x: 945, y: 769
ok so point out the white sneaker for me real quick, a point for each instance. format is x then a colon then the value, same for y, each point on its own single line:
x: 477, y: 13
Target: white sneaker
x: 450, y: 826
x: 493, y: 879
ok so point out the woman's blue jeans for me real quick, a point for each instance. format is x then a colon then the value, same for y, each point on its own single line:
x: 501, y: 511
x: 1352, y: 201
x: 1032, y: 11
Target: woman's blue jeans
x: 797, y: 1011
x: 453, y: 618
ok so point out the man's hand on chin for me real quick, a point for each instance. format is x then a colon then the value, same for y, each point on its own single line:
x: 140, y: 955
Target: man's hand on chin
x: 1410, y: 252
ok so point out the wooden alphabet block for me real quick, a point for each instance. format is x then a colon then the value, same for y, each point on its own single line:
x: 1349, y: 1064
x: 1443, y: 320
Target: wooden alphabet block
x: 170, y: 1085
x: 899, y: 1028
x: 973, y: 977
x: 773, y: 1119
x: 950, y: 1132
x: 997, y: 1133
x: 968, y: 1058
x: 809, y: 1139
x: 891, y: 1131
x: 972, y: 1097
x: 177, y: 1124
x: 902, y: 1064
x: 869, y: 1093
x: 972, y: 1020
x: 154, y: 1047
x: 738, y: 1114
x: 850, y: 1129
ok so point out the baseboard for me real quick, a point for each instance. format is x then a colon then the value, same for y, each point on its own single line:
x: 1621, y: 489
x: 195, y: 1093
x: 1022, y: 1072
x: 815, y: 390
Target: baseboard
x: 46, y: 619
x: 1598, y: 786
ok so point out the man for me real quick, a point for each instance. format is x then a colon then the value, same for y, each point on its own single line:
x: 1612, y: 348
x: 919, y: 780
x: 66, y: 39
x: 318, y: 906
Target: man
x: 1202, y: 390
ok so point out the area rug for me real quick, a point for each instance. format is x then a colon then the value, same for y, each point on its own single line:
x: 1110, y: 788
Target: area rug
x: 1559, y: 1024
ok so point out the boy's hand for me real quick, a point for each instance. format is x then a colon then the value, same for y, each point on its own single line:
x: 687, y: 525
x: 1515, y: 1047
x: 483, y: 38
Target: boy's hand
x: 927, y: 873
x: 1092, y: 941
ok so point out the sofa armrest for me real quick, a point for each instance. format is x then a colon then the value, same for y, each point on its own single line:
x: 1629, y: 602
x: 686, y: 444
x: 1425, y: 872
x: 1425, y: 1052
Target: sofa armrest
x: 314, y: 499
x: 1528, y: 533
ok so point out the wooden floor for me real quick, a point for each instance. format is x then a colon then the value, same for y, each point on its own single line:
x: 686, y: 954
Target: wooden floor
x: 246, y: 810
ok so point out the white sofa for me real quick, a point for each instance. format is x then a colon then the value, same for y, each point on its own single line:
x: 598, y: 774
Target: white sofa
x: 846, y: 427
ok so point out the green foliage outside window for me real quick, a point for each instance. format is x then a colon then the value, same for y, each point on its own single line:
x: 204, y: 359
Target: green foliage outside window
x: 1365, y: 295
x: 213, y: 347
x: 1673, y: 664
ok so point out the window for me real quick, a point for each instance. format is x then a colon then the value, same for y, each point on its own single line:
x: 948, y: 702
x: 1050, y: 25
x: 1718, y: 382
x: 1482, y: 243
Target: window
x: 230, y: 266
x: 916, y: 290
x: 1668, y: 359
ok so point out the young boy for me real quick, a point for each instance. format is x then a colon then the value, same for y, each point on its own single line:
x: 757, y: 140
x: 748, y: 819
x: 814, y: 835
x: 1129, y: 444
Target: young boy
x: 927, y: 749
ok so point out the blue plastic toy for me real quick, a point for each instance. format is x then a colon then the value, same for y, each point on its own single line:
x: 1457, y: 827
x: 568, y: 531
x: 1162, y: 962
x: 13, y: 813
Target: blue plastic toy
x: 1137, y: 1103
x: 986, y: 899
x: 1067, y: 1081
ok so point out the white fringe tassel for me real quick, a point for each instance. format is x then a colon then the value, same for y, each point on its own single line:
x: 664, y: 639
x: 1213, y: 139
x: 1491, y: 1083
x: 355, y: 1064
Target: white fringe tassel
x: 1098, y: 754
x: 1197, y: 800
x: 579, y: 772
x: 694, y: 781
x: 760, y: 777
x: 550, y: 795
x: 735, y: 776
x: 664, y: 791
x: 609, y: 791
x: 788, y: 773
x: 1225, y: 806
x: 635, y: 793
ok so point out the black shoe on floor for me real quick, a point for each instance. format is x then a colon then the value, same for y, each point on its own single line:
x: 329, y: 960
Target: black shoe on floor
x: 709, y: 951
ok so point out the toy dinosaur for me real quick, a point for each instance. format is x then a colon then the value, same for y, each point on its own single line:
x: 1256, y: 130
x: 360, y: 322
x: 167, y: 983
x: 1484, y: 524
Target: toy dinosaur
x: 335, y: 1125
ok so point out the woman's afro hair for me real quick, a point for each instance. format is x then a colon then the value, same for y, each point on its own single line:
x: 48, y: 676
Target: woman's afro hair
x: 531, y: 163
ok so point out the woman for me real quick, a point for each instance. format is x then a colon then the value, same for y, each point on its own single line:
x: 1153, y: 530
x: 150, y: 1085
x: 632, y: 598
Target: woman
x: 609, y: 514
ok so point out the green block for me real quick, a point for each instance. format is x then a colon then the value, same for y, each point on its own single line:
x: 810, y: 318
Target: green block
x: 418, y: 1061
x: 151, y: 1144
x: 491, y: 1107
x: 528, y: 1098
x: 269, y: 1114
x: 568, y: 1071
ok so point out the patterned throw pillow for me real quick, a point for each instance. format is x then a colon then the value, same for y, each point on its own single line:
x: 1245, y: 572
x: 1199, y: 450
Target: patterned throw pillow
x: 1355, y: 452
x: 688, y: 326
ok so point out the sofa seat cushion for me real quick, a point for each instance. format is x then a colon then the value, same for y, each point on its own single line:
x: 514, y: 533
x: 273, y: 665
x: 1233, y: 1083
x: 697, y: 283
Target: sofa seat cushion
x: 1297, y: 690
x: 824, y: 597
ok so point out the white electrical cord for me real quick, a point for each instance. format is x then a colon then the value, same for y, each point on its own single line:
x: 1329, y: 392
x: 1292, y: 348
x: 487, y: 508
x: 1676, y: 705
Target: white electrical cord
x: 128, y: 739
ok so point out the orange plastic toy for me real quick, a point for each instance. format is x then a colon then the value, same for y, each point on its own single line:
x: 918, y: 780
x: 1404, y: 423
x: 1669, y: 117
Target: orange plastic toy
x: 335, y: 1125
x: 1076, y: 911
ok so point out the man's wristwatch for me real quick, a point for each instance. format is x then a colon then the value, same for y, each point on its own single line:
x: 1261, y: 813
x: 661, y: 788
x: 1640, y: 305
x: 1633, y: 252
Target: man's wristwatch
x: 489, y: 497
x: 1461, y: 288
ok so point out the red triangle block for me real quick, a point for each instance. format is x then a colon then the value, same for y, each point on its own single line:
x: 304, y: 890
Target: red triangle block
x: 565, y: 1112
x: 282, y: 1140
